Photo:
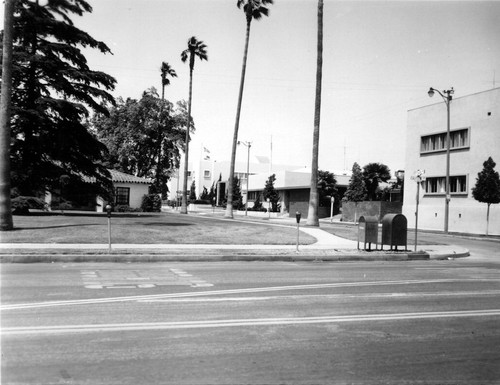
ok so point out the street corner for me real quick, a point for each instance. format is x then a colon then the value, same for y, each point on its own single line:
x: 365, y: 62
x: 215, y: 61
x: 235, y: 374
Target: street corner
x: 442, y: 252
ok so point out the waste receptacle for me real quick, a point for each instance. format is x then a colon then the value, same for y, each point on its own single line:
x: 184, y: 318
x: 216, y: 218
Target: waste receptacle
x: 394, y: 231
x: 368, y: 231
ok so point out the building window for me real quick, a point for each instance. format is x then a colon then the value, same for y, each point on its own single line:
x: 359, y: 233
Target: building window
x: 437, y: 185
x: 122, y: 196
x: 206, y: 174
x: 459, y: 139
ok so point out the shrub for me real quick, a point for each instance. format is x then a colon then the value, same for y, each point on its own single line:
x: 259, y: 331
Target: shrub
x: 21, y: 205
x: 125, y: 209
x: 151, y: 203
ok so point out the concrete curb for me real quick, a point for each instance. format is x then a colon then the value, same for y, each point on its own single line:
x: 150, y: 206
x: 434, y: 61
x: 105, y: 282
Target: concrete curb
x: 219, y: 255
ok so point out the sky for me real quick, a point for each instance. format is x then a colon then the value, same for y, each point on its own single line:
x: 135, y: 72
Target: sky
x: 379, y: 60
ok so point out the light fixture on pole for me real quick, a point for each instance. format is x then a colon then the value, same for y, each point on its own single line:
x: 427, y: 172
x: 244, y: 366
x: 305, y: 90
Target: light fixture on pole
x: 248, y: 145
x: 447, y: 97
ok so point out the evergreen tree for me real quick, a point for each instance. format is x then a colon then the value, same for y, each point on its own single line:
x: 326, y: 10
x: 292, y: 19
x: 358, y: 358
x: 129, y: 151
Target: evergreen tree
x: 487, y: 188
x: 53, y: 87
x: 192, y: 192
x: 204, y: 196
x: 237, y: 196
x: 271, y: 193
x: 356, y: 190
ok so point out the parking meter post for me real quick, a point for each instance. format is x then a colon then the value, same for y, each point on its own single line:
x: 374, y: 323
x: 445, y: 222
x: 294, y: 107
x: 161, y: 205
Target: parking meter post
x: 331, y: 209
x: 108, y: 210
x: 297, y: 217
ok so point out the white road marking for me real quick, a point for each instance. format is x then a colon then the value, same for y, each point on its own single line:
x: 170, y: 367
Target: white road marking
x: 331, y: 296
x: 91, y: 328
x: 93, y: 301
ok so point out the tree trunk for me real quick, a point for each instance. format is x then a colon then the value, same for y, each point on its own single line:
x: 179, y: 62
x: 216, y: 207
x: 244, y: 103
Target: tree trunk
x: 186, y: 152
x: 312, y: 217
x: 6, y: 222
x: 229, y: 206
x: 488, y: 219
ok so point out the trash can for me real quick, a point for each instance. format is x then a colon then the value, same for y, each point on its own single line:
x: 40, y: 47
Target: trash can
x: 368, y: 231
x: 394, y: 231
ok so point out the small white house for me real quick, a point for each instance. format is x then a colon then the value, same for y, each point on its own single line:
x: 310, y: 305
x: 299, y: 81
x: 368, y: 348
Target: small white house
x: 129, y: 190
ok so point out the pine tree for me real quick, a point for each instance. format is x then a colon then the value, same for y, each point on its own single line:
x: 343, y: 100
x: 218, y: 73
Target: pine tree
x: 271, y: 193
x: 487, y: 188
x: 356, y: 190
x: 53, y: 89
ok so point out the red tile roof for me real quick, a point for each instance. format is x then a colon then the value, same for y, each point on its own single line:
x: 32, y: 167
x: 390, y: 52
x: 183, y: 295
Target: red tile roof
x: 121, y: 177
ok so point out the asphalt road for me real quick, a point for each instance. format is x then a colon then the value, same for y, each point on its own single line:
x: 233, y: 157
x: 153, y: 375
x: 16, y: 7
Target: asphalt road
x: 432, y: 322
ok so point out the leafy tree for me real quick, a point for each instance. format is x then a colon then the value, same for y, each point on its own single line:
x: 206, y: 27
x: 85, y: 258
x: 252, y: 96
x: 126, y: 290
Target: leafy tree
x: 373, y: 175
x: 196, y: 48
x: 53, y: 87
x: 134, y: 130
x: 312, y: 216
x: 356, y: 190
x: 487, y: 188
x: 271, y: 193
x: 327, y: 187
x: 253, y: 9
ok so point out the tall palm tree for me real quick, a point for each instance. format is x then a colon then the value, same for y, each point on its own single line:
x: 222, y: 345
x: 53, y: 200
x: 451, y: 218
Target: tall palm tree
x: 253, y: 9
x: 195, y: 48
x: 166, y: 70
x: 312, y: 216
x: 6, y: 222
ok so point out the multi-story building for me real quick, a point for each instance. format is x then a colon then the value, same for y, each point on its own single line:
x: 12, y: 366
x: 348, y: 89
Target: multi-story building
x: 474, y: 136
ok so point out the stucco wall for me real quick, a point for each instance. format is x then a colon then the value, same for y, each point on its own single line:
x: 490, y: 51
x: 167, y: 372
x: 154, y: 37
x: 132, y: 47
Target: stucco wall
x: 351, y: 211
x: 481, y: 113
x: 137, y: 191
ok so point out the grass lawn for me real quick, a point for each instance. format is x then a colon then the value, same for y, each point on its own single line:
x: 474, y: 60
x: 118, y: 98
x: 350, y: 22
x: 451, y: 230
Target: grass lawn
x: 146, y: 228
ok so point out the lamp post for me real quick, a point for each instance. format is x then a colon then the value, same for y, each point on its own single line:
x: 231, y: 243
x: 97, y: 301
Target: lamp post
x: 248, y: 145
x: 446, y: 95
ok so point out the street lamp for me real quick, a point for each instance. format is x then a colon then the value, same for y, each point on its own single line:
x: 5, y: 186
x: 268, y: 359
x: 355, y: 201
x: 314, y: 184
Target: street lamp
x: 248, y: 145
x: 446, y: 95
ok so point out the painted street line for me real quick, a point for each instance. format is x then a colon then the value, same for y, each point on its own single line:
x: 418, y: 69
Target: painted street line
x: 331, y: 296
x: 94, y: 301
x: 91, y: 328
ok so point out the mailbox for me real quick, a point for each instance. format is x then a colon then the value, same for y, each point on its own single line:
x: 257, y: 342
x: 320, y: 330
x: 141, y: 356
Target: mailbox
x: 394, y: 231
x: 368, y: 231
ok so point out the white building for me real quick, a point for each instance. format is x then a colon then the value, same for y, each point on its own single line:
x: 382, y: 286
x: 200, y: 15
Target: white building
x: 474, y: 136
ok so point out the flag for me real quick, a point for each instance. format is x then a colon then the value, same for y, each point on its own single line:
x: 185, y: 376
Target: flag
x: 206, y: 154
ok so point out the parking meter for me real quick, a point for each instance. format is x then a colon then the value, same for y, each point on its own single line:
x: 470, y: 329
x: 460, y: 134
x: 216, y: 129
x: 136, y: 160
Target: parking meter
x: 108, y: 210
x: 297, y: 217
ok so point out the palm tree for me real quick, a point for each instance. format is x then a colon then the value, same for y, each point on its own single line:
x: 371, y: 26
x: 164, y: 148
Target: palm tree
x: 253, y: 9
x: 166, y: 70
x: 373, y: 175
x: 312, y: 216
x: 195, y: 48
x: 6, y: 222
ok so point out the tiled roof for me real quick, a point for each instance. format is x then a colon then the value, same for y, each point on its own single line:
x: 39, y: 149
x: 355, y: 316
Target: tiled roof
x: 121, y: 177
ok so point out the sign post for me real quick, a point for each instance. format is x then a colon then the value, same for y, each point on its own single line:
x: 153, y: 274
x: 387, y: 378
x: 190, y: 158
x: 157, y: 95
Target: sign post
x: 418, y: 177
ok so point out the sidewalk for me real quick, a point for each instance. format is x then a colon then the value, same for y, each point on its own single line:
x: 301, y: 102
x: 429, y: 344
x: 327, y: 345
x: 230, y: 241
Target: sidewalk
x: 327, y: 247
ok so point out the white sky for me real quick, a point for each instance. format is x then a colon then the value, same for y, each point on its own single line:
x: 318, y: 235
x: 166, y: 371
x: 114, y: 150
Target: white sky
x: 379, y: 60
